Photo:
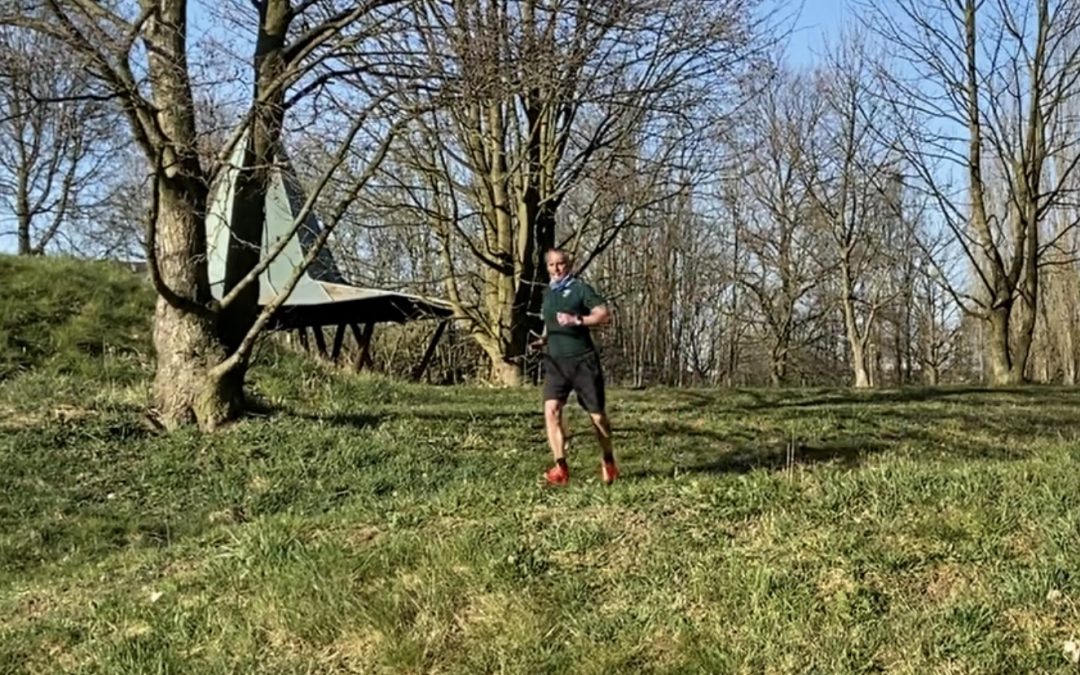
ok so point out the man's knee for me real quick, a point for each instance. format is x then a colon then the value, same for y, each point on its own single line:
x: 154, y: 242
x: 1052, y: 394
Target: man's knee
x: 553, y: 409
x: 601, y: 422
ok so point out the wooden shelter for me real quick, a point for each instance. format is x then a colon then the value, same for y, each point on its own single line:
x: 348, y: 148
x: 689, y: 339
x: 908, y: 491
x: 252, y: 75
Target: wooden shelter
x: 322, y: 297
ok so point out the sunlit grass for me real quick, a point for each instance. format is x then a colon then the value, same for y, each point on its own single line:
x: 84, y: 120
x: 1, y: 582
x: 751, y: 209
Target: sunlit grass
x: 363, y: 525
x: 369, y: 526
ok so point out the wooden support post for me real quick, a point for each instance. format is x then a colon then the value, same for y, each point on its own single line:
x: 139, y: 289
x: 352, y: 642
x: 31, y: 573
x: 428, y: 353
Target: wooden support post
x: 418, y: 372
x: 339, y: 337
x: 320, y: 340
x: 365, y: 354
x: 358, y: 364
x: 302, y: 333
x: 363, y: 341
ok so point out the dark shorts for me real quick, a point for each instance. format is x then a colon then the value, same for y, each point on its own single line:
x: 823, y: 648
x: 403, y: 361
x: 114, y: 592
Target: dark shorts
x: 581, y: 375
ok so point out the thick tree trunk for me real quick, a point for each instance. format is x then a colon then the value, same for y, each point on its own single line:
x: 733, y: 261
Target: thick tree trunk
x: 778, y: 364
x: 187, y: 348
x: 246, y: 222
x: 1028, y: 305
x: 186, y: 342
x: 186, y: 332
x: 189, y: 384
x: 506, y: 370
x: 506, y: 363
x: 1003, y: 372
x: 248, y: 217
x: 221, y: 398
x: 538, y: 235
x: 859, y: 366
x: 932, y: 375
x: 505, y: 374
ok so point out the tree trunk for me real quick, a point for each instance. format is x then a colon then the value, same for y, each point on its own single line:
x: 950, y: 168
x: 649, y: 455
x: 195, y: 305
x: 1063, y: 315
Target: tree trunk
x: 1021, y: 351
x: 778, y: 364
x: 246, y: 222
x: 1028, y: 292
x: 1002, y: 370
x: 860, y: 362
x: 248, y: 217
x: 188, y: 386
x: 932, y: 375
x: 184, y: 391
x: 506, y: 370
x: 1068, y: 356
x: 859, y: 365
x: 857, y: 344
x: 186, y: 338
x: 505, y: 373
x: 22, y: 213
x: 186, y: 343
x: 186, y: 349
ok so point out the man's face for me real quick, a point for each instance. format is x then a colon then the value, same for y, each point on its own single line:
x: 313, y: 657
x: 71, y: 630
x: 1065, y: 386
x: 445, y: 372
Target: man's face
x: 557, y: 266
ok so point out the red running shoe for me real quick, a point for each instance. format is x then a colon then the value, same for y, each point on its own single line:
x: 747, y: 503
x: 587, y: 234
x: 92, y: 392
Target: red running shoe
x: 557, y: 475
x: 608, y: 472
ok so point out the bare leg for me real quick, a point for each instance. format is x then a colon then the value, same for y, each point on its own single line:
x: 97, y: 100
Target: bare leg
x: 564, y: 426
x: 553, y: 419
x: 602, y: 425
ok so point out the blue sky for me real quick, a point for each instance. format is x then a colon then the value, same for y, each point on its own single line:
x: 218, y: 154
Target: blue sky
x: 818, y: 20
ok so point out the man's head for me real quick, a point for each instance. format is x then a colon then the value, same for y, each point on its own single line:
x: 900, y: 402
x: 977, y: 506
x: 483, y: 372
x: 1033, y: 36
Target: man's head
x: 558, y: 263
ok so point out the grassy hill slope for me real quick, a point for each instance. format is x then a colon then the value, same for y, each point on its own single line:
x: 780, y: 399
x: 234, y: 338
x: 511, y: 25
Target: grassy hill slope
x: 364, y: 525
x: 71, y: 315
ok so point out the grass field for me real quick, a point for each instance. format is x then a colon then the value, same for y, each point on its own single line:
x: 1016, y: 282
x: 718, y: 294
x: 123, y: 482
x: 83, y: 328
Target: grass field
x: 363, y: 525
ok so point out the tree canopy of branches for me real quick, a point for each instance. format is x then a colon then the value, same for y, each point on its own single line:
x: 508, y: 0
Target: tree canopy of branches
x: 308, y: 59
x: 56, y: 142
x: 538, y: 104
x: 988, y: 88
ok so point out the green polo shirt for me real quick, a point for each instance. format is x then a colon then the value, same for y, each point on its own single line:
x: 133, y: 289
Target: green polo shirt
x: 577, y: 298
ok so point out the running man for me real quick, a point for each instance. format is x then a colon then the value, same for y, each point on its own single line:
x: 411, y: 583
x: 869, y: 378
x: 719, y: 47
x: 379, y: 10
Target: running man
x: 572, y: 364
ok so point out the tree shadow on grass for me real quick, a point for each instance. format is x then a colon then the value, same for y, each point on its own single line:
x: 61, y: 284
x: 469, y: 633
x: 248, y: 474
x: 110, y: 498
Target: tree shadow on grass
x: 477, y: 416
x: 681, y: 401
x: 843, y: 453
x: 853, y: 397
x: 494, y: 424
x: 354, y: 420
x: 739, y: 451
x: 114, y: 426
x: 959, y: 436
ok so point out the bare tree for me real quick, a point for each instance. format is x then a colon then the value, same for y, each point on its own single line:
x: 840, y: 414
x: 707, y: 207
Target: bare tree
x: 203, y: 345
x: 855, y: 187
x: 937, y: 340
x: 537, y: 101
x: 115, y: 227
x: 778, y: 233
x: 984, y: 85
x: 1056, y: 344
x: 663, y: 281
x: 56, y: 139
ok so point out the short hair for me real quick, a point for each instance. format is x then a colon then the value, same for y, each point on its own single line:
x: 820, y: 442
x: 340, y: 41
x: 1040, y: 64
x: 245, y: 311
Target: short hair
x: 560, y: 251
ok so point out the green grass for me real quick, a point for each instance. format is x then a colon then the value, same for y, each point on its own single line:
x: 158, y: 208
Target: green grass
x: 72, y: 317
x: 368, y: 526
x: 364, y: 525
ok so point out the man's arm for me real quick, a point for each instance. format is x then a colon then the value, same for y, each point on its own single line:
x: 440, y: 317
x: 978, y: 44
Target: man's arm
x: 597, y: 316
